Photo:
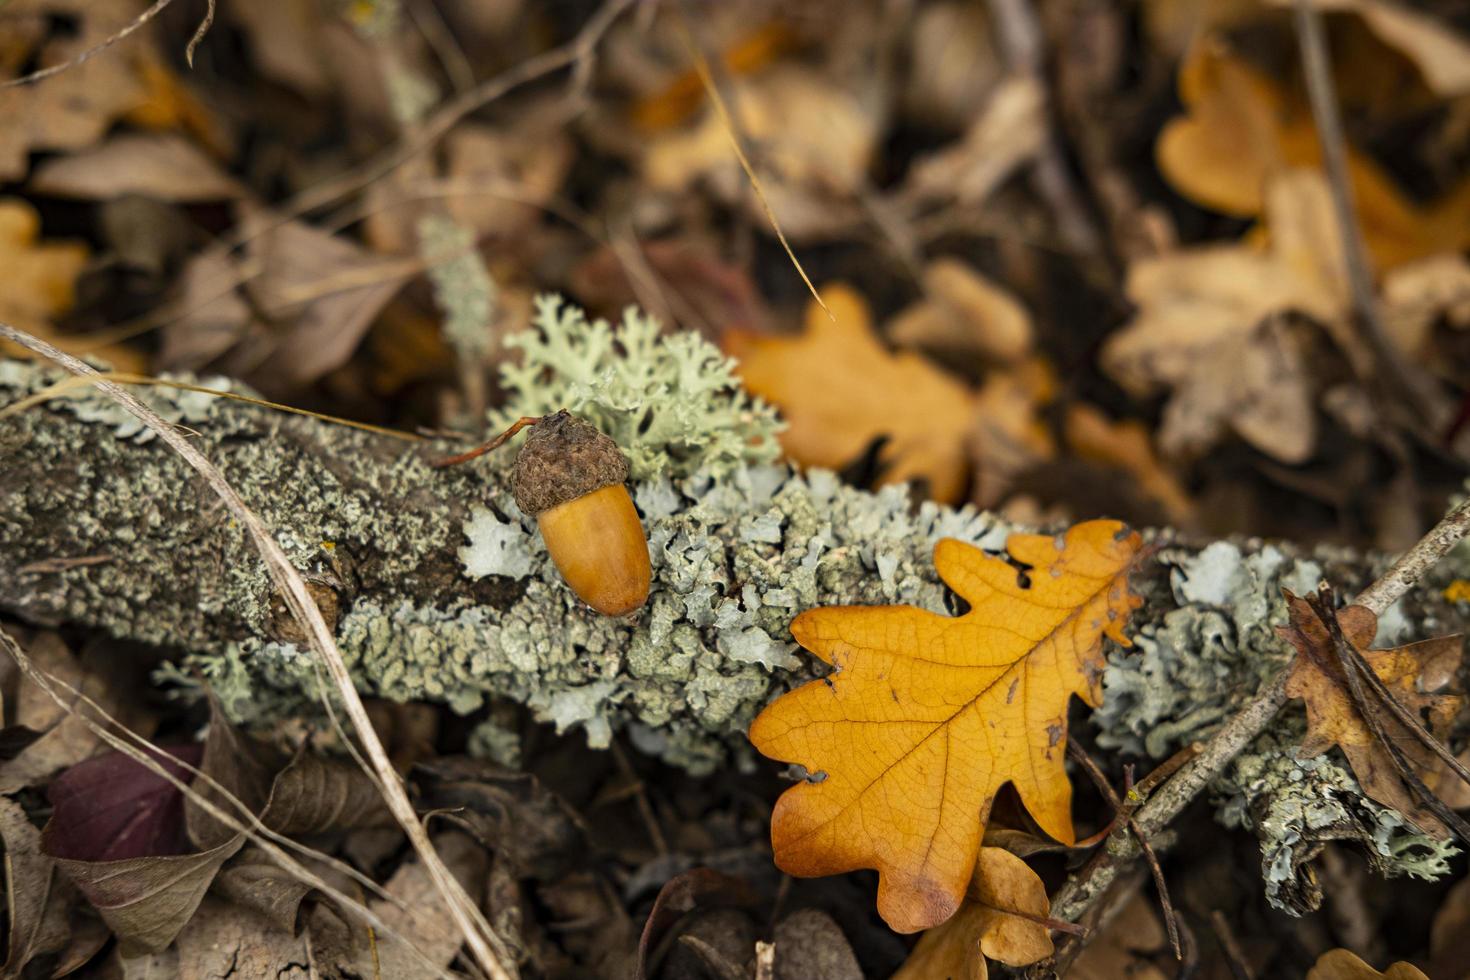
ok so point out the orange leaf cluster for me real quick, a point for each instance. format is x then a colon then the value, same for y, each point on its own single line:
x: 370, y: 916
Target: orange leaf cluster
x: 840, y: 389
x: 1410, y: 672
x: 926, y: 717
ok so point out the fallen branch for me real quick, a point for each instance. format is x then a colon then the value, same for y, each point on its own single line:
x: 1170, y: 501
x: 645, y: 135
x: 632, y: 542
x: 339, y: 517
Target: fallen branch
x: 1078, y: 897
x: 487, y: 948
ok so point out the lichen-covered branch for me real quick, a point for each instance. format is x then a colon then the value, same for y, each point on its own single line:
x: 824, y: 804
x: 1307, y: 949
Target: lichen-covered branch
x: 441, y: 590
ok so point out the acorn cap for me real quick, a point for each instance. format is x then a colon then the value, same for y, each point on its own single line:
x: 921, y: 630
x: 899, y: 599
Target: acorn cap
x: 564, y: 458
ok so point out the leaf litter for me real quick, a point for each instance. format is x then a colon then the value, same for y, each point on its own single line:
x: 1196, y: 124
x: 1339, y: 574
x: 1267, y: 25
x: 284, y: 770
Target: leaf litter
x: 1201, y: 367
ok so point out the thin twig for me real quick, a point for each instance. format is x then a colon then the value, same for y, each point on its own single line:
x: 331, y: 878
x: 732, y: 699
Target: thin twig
x: 1322, y: 94
x: 1081, y: 893
x: 1171, y: 921
x: 702, y: 68
x: 199, y: 32
x: 1240, y: 968
x: 488, y: 949
x: 42, y: 74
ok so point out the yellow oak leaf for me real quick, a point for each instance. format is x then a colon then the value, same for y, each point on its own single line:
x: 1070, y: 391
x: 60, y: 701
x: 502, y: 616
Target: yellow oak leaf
x: 840, y: 389
x: 925, y: 717
x: 1411, y: 672
x: 987, y: 925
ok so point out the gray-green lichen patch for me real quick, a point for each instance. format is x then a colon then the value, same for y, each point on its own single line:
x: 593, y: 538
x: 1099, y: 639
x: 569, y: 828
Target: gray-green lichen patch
x: 1190, y: 668
x: 1295, y: 805
x: 733, y: 562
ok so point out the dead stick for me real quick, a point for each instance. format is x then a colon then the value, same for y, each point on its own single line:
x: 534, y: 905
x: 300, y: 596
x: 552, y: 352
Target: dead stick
x: 1125, y: 811
x: 1083, y: 890
x: 489, y: 951
x: 1322, y: 94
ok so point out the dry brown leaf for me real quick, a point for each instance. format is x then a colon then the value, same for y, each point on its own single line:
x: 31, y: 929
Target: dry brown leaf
x: 840, y: 389
x: 1127, y: 445
x: 983, y: 928
x: 675, y: 103
x: 1449, y: 936
x: 213, y: 315
x: 815, y: 138
x: 953, y: 64
x: 323, y: 292
x: 224, y: 940
x: 38, y: 899
x: 414, y: 912
x: 161, y: 166
x: 1010, y: 435
x: 75, y: 108
x: 1416, y: 296
x: 1126, y: 946
x: 1441, y: 55
x: 1242, y: 129
x: 965, y: 314
x: 1340, y: 964
x: 1008, y: 132
x: 1209, y: 328
x: 66, y: 740
x: 1411, y: 672
x: 925, y: 717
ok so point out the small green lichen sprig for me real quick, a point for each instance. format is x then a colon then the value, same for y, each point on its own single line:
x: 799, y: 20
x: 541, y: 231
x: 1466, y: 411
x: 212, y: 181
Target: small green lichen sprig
x: 672, y: 403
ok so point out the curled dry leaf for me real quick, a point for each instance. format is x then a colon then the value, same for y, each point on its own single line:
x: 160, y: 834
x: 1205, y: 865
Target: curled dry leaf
x: 985, y: 926
x: 1007, y: 133
x: 161, y: 166
x: 839, y: 390
x: 1242, y: 129
x: 327, y: 289
x: 926, y: 716
x: 963, y: 313
x: 816, y: 141
x: 1411, y: 672
x: 1210, y: 327
x: 38, y: 900
x: 75, y: 108
x: 1341, y: 964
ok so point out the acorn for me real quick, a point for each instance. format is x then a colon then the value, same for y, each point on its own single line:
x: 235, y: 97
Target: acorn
x: 571, y: 478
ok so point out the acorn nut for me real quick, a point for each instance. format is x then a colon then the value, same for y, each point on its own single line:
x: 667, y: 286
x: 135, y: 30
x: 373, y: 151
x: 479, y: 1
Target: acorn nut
x: 571, y: 478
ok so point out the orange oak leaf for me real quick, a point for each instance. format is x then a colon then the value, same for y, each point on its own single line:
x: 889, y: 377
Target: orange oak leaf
x: 840, y: 389
x: 1411, y: 672
x: 925, y: 717
x: 987, y: 925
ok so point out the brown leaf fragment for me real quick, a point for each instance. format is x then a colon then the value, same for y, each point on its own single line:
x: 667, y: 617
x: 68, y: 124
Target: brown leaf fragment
x: 323, y: 292
x: 37, y: 899
x: 986, y: 925
x: 161, y: 166
x: 1412, y: 673
x: 1340, y: 964
x: 223, y: 940
x: 147, y: 900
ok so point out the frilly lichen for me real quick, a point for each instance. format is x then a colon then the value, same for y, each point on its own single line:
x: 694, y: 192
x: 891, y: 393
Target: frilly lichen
x: 1296, y: 804
x: 1187, y: 670
x: 672, y: 402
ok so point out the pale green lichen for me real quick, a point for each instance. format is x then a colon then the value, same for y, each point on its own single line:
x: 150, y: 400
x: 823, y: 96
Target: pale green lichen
x: 672, y: 402
x: 463, y: 289
x: 1188, y: 669
x: 1294, y: 805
